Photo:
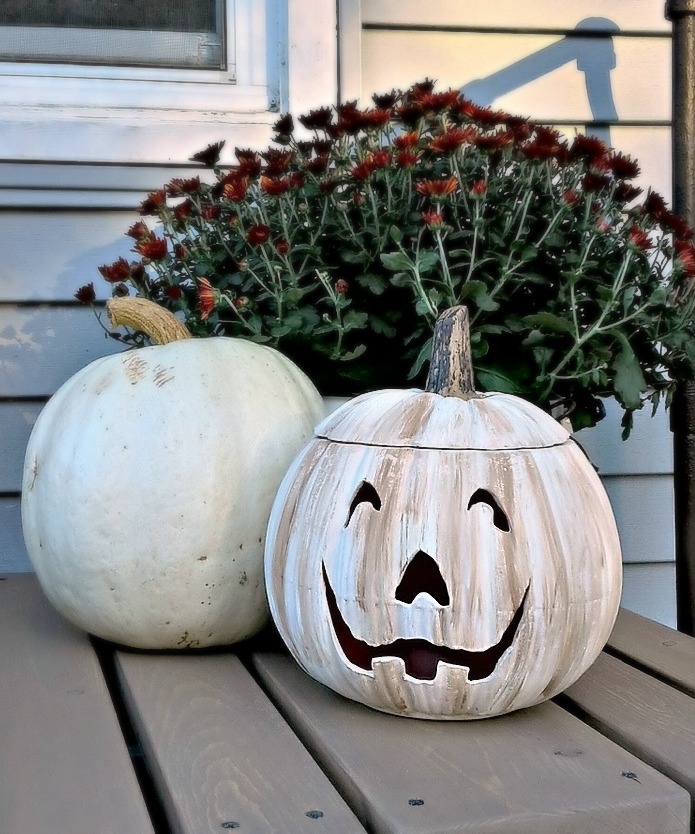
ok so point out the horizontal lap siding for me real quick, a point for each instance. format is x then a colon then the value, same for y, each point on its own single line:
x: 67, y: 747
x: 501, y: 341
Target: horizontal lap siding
x: 593, y: 66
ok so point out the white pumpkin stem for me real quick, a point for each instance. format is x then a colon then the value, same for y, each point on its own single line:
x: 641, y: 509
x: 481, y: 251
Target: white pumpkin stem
x: 451, y: 367
x: 159, y: 324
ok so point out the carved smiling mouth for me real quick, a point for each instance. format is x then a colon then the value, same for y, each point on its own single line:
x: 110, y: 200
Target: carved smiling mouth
x: 421, y: 657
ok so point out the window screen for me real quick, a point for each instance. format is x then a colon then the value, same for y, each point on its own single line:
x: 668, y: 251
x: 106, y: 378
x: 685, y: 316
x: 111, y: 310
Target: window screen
x: 174, y: 33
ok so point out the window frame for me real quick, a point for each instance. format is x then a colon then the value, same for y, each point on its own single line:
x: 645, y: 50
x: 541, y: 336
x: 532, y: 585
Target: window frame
x: 285, y: 54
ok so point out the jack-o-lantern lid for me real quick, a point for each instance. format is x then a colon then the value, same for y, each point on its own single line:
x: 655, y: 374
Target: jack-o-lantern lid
x: 450, y: 413
x: 422, y: 420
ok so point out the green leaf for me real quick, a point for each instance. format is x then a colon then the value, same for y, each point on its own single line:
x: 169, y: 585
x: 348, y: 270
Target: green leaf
x: 492, y: 380
x: 423, y: 356
x: 549, y: 321
x: 375, y: 283
x: 427, y: 260
x: 353, y: 354
x: 629, y: 380
x: 477, y: 292
x: 395, y: 234
x: 396, y: 261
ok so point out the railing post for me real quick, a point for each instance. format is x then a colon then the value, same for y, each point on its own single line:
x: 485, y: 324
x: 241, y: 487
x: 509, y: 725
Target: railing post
x: 682, y: 15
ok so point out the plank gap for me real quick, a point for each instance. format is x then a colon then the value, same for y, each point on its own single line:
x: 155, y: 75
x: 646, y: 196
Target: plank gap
x: 628, y: 660
x: 105, y: 655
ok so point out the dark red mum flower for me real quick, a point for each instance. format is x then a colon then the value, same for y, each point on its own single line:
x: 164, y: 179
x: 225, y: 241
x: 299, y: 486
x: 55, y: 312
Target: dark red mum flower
x: 685, y: 256
x: 154, y: 201
x: 677, y: 224
x: 342, y: 286
x: 210, y: 156
x: 282, y: 247
x: 622, y: 166
x: 625, y: 192
x: 430, y: 102
x: 277, y: 162
x: 117, y: 271
x: 654, y: 203
x: 275, y: 187
x: 407, y: 141
x: 318, y: 119
x: 478, y: 188
x: 588, y: 147
x: 385, y: 101
x: 138, y: 230
x: 258, y: 234
x: 180, y: 188
x: 380, y: 158
x: 437, y: 188
x: 86, y: 294
x: 451, y: 140
x: 433, y: 219
x: 407, y: 159
x: 362, y: 171
x: 207, y: 298
x: 493, y: 141
x: 595, y: 182
x: 318, y: 165
x: 210, y: 212
x: 284, y: 125
x: 249, y: 163
x: 639, y: 238
x: 153, y: 247
x: 173, y: 292
x: 183, y: 210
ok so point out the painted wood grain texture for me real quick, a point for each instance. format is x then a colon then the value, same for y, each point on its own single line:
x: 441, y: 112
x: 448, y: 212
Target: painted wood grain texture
x: 220, y: 754
x: 650, y: 590
x: 641, y: 15
x: 41, y: 347
x: 64, y: 766
x: 13, y: 555
x: 643, y: 508
x: 534, y: 75
x: 73, y: 246
x: 648, y: 450
x: 663, y: 650
x: 643, y: 715
x: 335, y: 557
x: 126, y: 138
x: 16, y: 422
x: 536, y: 771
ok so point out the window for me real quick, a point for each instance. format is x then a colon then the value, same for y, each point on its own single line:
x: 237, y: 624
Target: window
x: 175, y: 33
x: 106, y: 82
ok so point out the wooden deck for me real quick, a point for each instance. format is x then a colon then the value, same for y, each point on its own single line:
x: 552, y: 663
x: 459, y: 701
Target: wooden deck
x: 98, y: 740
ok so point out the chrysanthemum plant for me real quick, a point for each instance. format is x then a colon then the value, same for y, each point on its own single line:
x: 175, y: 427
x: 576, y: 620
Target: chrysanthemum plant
x: 341, y: 247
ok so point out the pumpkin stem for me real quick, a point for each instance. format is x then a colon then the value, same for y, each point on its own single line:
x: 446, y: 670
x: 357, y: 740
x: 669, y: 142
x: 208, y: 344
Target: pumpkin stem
x: 159, y: 324
x: 451, y: 367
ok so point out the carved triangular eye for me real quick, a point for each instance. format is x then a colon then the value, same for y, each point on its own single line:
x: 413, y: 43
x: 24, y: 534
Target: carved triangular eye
x: 499, y: 517
x: 365, y: 493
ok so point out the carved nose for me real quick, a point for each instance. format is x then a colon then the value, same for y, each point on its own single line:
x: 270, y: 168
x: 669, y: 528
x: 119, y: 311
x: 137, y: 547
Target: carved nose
x: 422, y: 576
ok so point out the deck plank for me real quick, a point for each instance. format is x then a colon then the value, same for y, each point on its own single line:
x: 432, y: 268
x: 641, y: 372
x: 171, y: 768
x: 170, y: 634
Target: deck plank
x: 663, y: 650
x: 220, y: 754
x: 644, y: 715
x: 538, y: 771
x: 64, y: 766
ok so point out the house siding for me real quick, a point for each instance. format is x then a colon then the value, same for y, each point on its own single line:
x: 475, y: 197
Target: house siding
x: 67, y: 197
x: 598, y: 67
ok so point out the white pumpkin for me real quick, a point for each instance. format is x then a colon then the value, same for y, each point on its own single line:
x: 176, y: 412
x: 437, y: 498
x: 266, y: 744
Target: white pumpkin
x: 148, y: 482
x: 443, y: 555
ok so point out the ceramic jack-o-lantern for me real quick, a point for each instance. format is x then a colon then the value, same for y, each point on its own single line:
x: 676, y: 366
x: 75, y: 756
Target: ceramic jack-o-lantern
x: 443, y: 553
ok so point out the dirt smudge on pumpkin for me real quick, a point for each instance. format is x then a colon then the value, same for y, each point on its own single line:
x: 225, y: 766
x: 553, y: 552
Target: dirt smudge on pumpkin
x: 135, y: 367
x: 162, y: 375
